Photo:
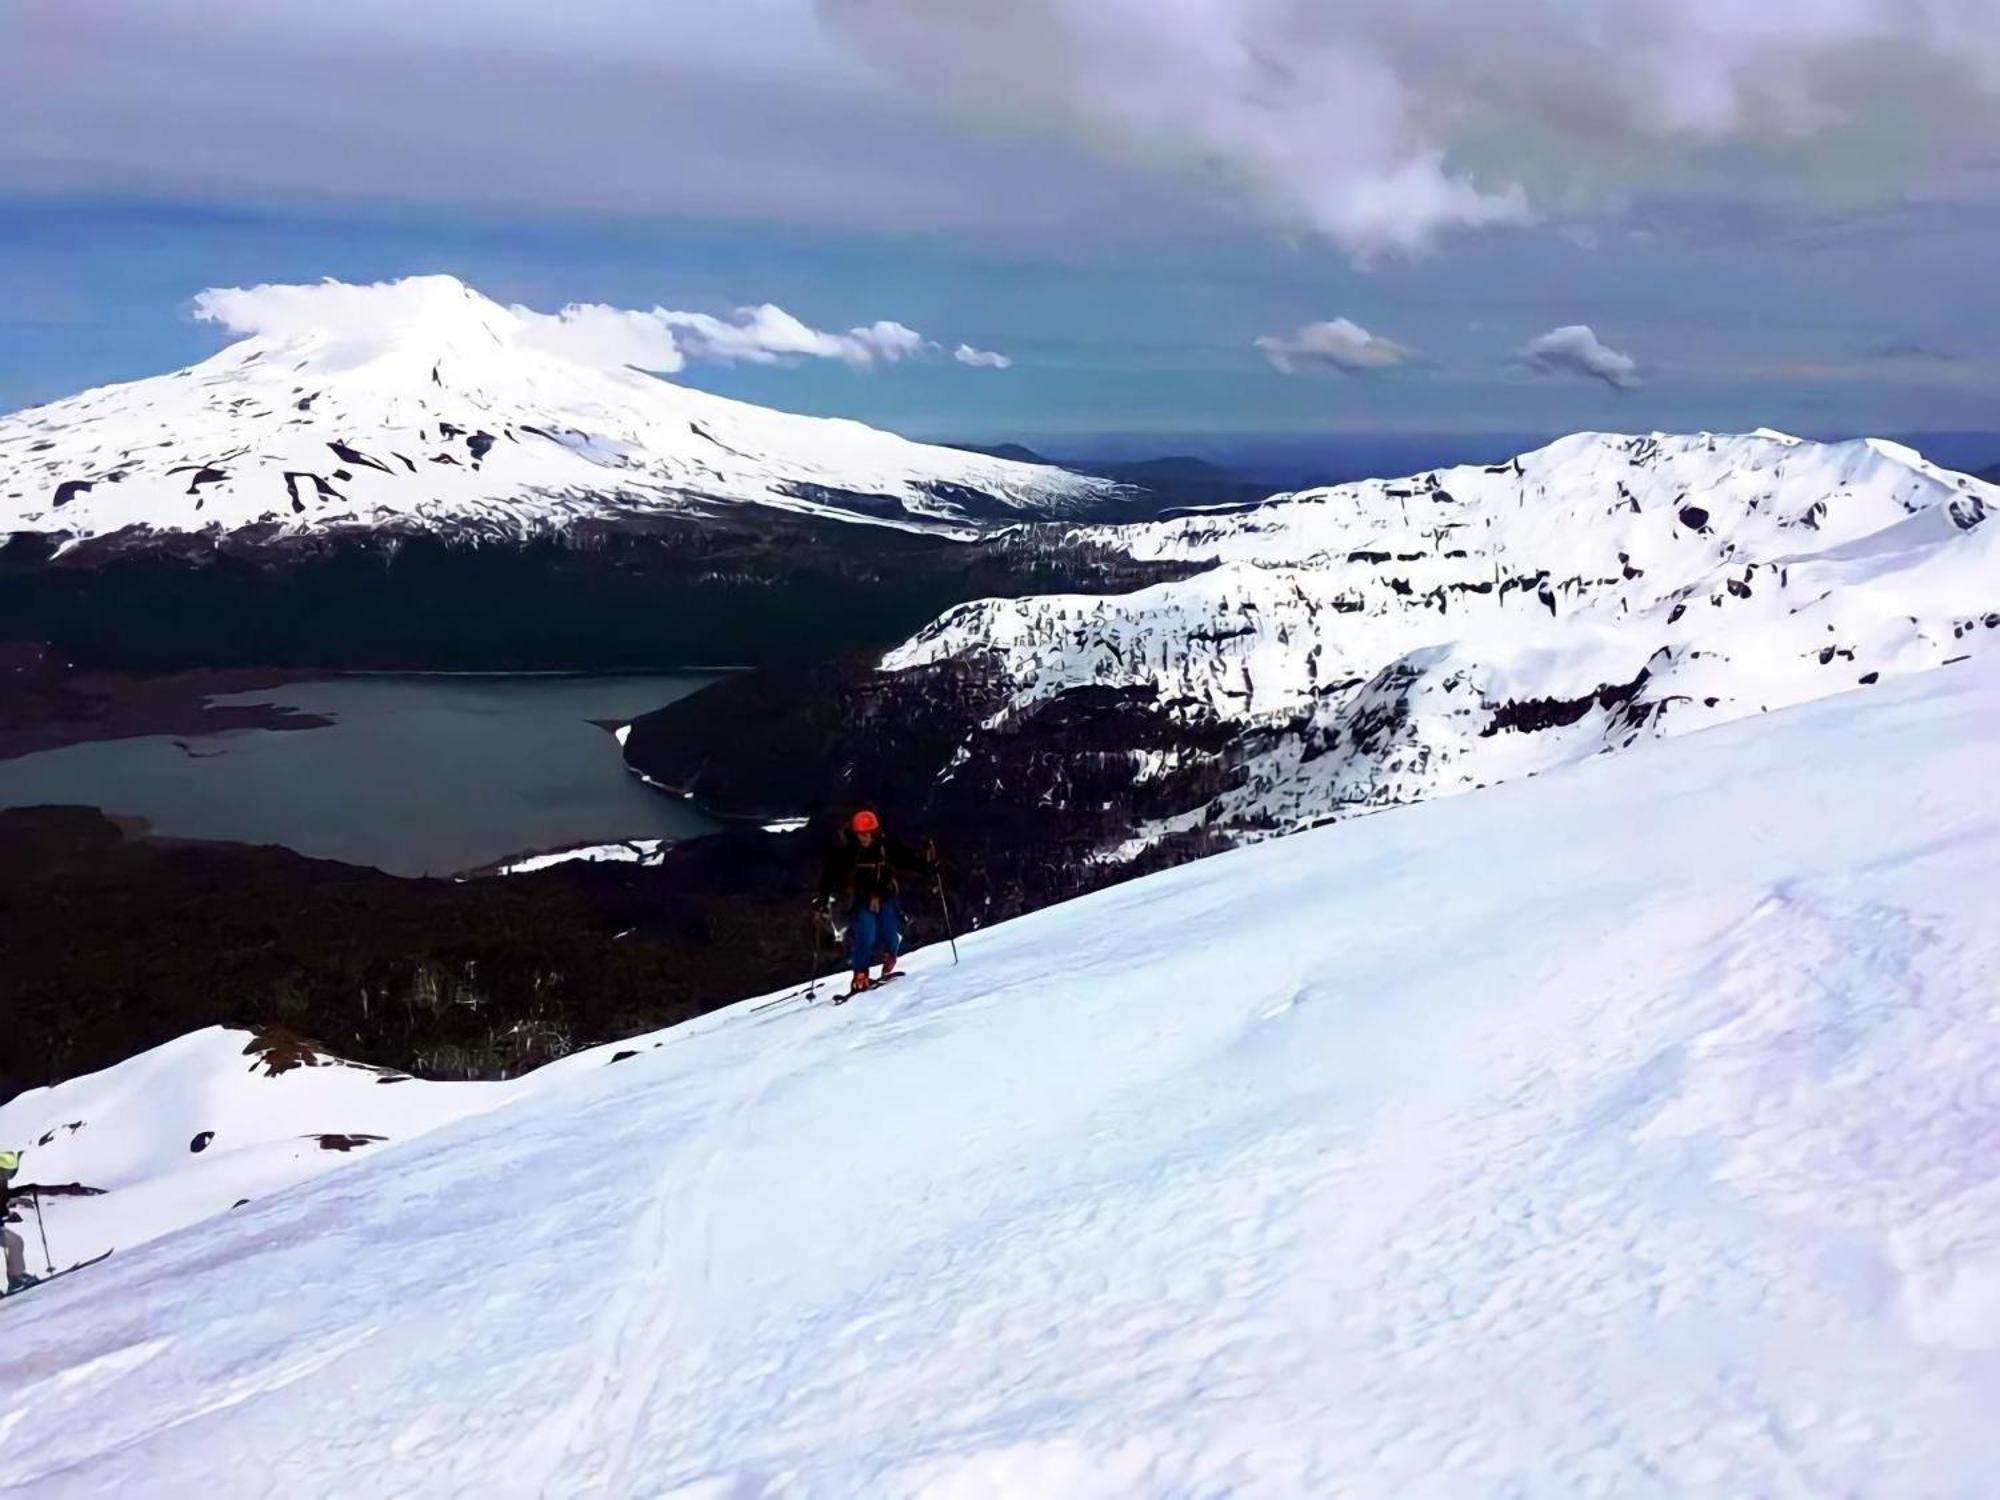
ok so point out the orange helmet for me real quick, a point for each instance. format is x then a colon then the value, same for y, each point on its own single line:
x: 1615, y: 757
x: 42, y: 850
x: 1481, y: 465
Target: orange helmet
x: 864, y: 822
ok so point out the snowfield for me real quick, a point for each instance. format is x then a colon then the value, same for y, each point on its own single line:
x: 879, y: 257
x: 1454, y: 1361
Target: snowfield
x: 627, y: 851
x: 1392, y: 640
x: 1628, y: 1130
x: 419, y: 406
x: 190, y: 1129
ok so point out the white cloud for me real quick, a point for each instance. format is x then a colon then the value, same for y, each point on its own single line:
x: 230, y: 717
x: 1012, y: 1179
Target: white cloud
x: 1576, y: 350
x: 983, y: 359
x: 659, y: 339
x: 767, y: 335
x: 593, y: 334
x: 1382, y: 123
x: 1338, y: 345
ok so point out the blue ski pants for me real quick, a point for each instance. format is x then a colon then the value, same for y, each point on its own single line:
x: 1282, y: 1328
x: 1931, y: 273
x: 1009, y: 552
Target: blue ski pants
x: 870, y: 933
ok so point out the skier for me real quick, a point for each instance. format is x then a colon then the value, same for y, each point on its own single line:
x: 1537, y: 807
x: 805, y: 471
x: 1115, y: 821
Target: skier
x: 15, y: 1252
x: 861, y: 874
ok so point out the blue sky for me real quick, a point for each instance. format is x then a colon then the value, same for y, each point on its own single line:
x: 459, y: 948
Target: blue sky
x: 1123, y: 211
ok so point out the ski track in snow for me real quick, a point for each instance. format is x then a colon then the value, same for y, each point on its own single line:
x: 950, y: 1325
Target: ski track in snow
x: 1628, y: 1131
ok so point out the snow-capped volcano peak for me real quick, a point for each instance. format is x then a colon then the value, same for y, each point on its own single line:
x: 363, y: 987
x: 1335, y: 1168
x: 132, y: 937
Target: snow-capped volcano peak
x: 332, y: 324
x: 420, y: 405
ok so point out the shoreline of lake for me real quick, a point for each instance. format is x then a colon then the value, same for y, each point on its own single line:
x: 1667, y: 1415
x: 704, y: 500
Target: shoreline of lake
x: 46, y: 704
x: 414, y: 774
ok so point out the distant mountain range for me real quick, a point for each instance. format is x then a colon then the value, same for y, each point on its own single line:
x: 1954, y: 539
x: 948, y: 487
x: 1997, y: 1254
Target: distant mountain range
x: 1158, y: 485
x: 1388, y: 641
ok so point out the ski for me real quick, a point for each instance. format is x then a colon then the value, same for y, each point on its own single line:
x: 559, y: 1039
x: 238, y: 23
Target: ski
x: 56, y: 1276
x: 874, y: 985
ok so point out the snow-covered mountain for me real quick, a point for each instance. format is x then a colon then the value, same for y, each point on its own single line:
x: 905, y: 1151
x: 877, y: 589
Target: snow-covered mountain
x: 1627, y: 1131
x: 1388, y: 641
x: 422, y: 406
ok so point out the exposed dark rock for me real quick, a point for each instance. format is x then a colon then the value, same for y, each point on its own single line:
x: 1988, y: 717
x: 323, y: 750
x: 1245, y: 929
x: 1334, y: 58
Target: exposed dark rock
x: 1023, y: 805
x: 321, y: 488
x: 1531, y: 715
x: 339, y: 1142
x: 349, y: 454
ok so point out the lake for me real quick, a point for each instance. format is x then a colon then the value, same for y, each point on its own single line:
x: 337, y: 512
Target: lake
x: 417, y: 774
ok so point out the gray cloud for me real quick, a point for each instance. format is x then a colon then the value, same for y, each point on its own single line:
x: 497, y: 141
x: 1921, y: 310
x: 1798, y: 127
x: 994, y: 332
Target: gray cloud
x: 1378, y: 123
x: 1338, y: 345
x: 1910, y: 351
x: 606, y: 107
x: 1381, y: 123
x: 1576, y: 350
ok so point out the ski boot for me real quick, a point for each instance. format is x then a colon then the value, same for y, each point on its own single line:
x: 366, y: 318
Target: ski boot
x: 859, y: 984
x: 888, y: 968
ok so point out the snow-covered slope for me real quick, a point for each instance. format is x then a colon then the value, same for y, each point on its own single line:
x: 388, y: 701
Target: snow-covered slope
x: 193, y: 1128
x: 422, y: 406
x: 1627, y: 1131
x: 1387, y: 641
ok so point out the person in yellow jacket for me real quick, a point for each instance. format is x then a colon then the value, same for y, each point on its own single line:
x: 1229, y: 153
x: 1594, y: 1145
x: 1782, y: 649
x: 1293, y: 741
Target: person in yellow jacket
x: 14, y: 1250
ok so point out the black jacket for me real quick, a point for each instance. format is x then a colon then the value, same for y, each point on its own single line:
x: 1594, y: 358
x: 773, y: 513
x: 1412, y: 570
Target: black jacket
x: 854, y: 874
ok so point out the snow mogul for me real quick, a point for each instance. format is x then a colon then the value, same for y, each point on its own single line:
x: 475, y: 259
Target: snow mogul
x: 861, y: 878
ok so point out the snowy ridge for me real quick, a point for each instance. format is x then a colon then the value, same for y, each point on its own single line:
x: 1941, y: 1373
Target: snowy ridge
x: 444, y: 414
x: 219, y: 1118
x: 189, y: 1129
x: 1387, y: 641
x: 1627, y: 1131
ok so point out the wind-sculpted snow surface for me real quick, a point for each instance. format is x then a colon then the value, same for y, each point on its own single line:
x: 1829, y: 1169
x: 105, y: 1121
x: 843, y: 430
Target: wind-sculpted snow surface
x: 448, y: 418
x: 1627, y: 1131
x: 1388, y: 641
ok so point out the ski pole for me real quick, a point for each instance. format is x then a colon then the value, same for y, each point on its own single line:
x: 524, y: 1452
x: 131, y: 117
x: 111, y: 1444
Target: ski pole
x: 43, y: 1225
x: 944, y: 906
x: 812, y: 984
x: 819, y: 941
